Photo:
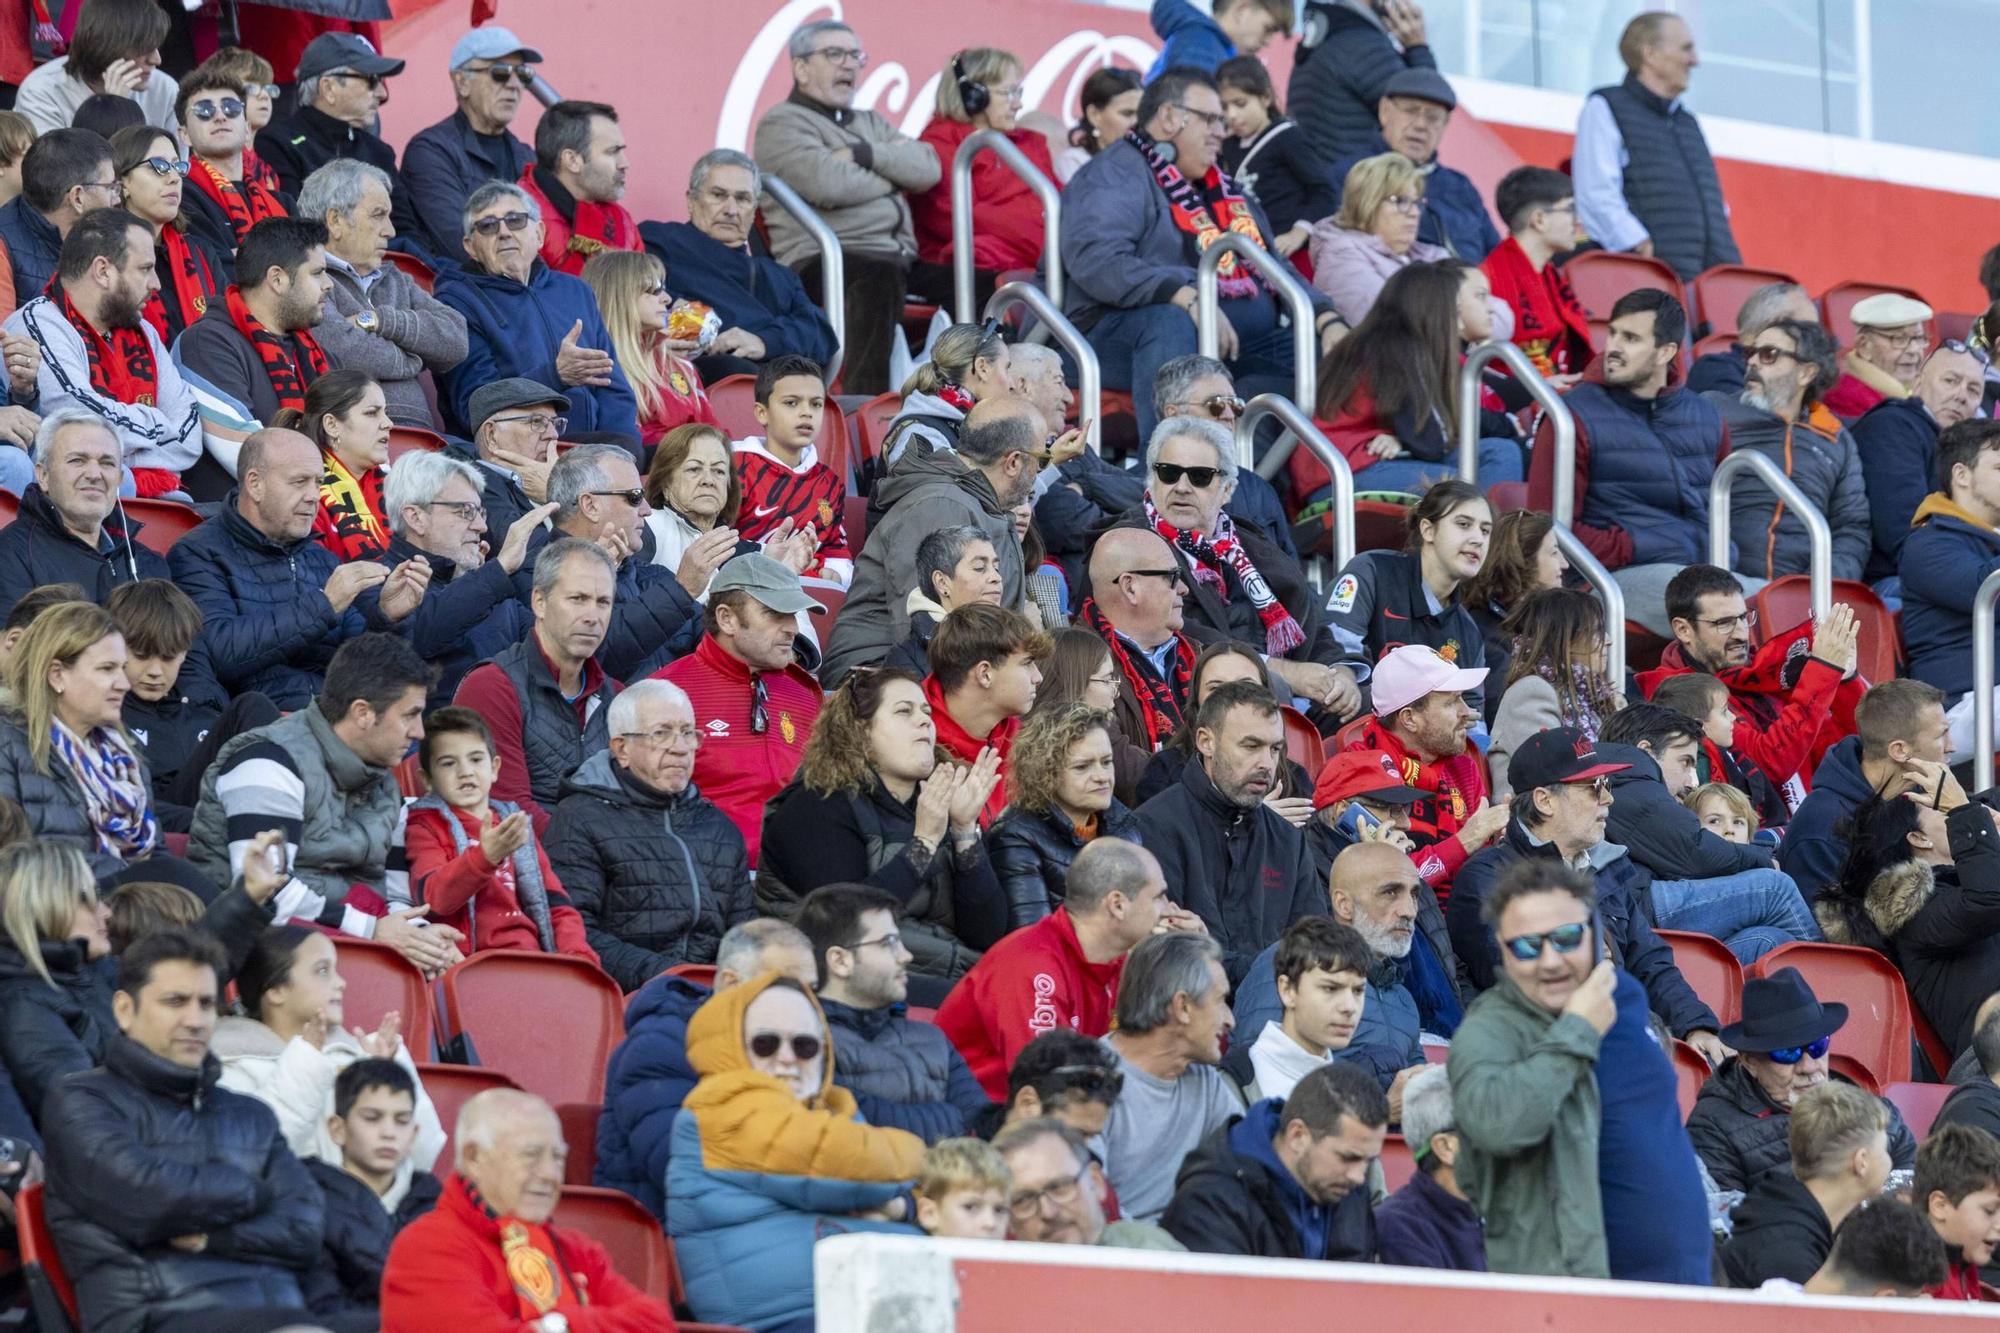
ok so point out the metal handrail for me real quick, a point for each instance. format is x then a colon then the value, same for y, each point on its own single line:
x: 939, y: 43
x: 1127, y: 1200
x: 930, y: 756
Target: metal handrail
x: 1301, y: 426
x: 1817, y: 530
x: 1284, y: 282
x: 1563, y: 442
x: 1089, y: 378
x: 1598, y: 577
x: 832, y: 265
x: 1016, y: 161
x: 1539, y: 389
x: 1983, y: 603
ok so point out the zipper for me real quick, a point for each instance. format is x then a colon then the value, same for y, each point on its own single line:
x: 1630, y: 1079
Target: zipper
x: 694, y: 878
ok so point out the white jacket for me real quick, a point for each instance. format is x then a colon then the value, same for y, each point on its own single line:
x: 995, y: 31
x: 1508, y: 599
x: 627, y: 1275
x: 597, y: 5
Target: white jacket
x: 163, y: 434
x: 296, y: 1082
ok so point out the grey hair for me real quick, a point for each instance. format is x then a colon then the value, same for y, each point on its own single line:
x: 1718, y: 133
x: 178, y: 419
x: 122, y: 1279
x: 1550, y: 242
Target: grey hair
x: 418, y: 477
x: 479, y: 1119
x: 1159, y: 969
x: 940, y: 552
x: 724, y: 157
x: 578, y: 471
x: 338, y: 187
x: 490, y: 193
x: 801, y: 44
x: 1178, y: 376
x: 1427, y: 1107
x: 1211, y: 433
x: 623, y: 715
x: 549, y: 564
x: 57, y: 421
x: 744, y: 945
x: 1765, y: 306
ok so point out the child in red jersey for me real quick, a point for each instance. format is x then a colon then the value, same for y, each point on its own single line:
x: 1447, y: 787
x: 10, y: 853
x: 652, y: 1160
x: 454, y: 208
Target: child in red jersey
x: 781, y: 472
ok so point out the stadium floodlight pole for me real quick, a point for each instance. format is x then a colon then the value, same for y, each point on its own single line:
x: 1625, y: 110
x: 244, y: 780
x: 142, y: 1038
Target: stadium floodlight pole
x: 1016, y: 161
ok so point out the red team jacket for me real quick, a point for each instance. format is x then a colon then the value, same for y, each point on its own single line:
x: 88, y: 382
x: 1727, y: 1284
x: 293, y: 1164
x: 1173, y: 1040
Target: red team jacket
x: 568, y: 241
x: 1033, y: 981
x: 1458, y: 785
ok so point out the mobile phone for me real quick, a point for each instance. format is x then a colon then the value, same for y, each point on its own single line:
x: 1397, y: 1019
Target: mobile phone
x: 16, y: 1151
x: 1354, y: 819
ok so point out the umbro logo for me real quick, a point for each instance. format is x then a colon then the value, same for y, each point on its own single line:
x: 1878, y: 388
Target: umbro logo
x: 717, y: 728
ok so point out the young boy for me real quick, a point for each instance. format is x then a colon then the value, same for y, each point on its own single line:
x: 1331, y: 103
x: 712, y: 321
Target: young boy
x: 1957, y: 1187
x: 1706, y: 699
x: 1723, y: 811
x: 476, y: 860
x: 1322, y: 974
x: 374, y: 1191
x: 781, y: 473
x: 1192, y: 39
x: 962, y: 1190
x: 1538, y: 208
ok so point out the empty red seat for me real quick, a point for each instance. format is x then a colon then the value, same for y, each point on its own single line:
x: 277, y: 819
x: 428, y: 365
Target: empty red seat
x: 1690, y: 1071
x: 159, y: 523
x: 487, y: 996
x: 733, y: 398
x: 630, y: 1235
x: 1716, y: 295
x: 1785, y: 603
x: 1836, y: 306
x: 1877, y: 1033
x: 420, y: 273
x: 1600, y: 277
x: 410, y: 439
x: 54, y: 1299
x: 378, y: 980
x: 450, y: 1087
x: 1399, y: 1163
x: 1919, y: 1103
x: 1303, y: 744
x: 1711, y: 969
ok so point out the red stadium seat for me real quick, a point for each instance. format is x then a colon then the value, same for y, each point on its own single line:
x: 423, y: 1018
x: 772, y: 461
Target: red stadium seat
x: 1303, y: 745
x: 1716, y: 295
x: 1785, y: 603
x: 450, y: 1087
x: 1349, y: 735
x: 1436, y: 1055
x: 1715, y: 342
x: 579, y: 1127
x: 420, y: 273
x: 410, y: 778
x: 1877, y: 1034
x: 854, y: 518
x: 1399, y: 1163
x: 10, y: 506
x: 1852, y: 1069
x: 918, y: 1013
x: 378, y: 980
x: 1955, y: 324
x: 1642, y: 647
x: 409, y: 439
x: 1600, y: 277
x: 1836, y: 306
x: 630, y: 1235
x: 486, y: 996
x: 830, y: 598
x: 871, y: 421
x: 1507, y: 496
x: 1919, y: 1103
x: 160, y: 523
x: 701, y: 974
x: 1691, y: 1071
x: 52, y: 1297
x: 733, y: 399
x: 1711, y: 969
x: 1381, y: 525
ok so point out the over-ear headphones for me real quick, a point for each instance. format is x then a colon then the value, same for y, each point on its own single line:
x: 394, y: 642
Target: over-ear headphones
x: 975, y: 97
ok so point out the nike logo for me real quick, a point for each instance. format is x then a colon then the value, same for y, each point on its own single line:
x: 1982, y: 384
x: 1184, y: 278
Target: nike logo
x: 1391, y: 615
x: 763, y: 511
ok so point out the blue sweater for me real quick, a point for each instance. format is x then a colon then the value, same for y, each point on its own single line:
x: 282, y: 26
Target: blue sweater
x: 1897, y: 439
x: 1423, y: 1226
x: 1812, y: 850
x: 1188, y: 38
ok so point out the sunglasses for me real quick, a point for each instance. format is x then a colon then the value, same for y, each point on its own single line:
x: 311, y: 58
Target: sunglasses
x: 764, y: 1045
x: 1219, y: 407
x: 1170, y: 575
x: 1791, y: 1055
x: 505, y: 74
x: 1564, y: 939
x: 511, y: 221
x: 229, y: 108
x: 1966, y: 349
x: 1765, y: 355
x: 164, y: 166
x: 1201, y: 478
x: 634, y: 497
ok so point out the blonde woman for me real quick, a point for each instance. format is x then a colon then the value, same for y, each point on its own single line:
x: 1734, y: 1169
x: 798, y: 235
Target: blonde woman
x: 1373, y: 235
x: 55, y: 1009
x: 968, y: 363
x: 631, y: 289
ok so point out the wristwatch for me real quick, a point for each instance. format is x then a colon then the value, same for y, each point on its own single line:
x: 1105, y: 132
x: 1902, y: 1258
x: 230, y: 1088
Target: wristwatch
x: 368, y: 322
x: 553, y: 1322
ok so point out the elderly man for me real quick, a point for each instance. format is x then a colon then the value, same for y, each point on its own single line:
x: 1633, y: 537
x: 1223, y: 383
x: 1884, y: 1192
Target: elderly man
x: 1644, y: 179
x: 577, y: 180
x: 595, y: 489
x: 341, y: 88
x: 516, y: 425
x: 1137, y: 606
x: 1890, y: 336
x: 379, y: 321
x: 1416, y: 105
x: 488, y: 1253
x: 1429, y: 1222
x: 1001, y: 450
x: 656, y: 870
x: 1129, y: 251
x: 64, y: 174
x: 1241, y: 586
x: 444, y: 163
x: 1781, y: 414
x: 104, y: 277
x: 1740, y: 1120
x: 1761, y: 309
x: 545, y: 698
x: 1348, y: 53
x: 1897, y: 440
x: 856, y: 169
x: 764, y: 307
x: 524, y: 319
x: 1060, y: 1193
x: 275, y: 604
x: 220, y: 203
x: 69, y: 529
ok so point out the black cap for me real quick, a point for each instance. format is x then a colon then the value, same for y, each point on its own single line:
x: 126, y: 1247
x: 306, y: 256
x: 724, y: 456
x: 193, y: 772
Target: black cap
x: 1427, y: 84
x: 345, y: 50
x: 1555, y: 756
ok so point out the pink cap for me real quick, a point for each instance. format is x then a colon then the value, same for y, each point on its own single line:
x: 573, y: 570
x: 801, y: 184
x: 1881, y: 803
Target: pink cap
x: 1408, y: 673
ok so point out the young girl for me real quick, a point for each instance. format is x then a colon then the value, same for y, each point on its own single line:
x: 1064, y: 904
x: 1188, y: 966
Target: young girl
x: 1557, y: 676
x: 1723, y: 811
x: 1269, y: 156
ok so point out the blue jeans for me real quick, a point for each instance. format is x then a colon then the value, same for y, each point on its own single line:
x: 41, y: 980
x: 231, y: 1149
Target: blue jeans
x: 1499, y: 460
x: 1133, y: 344
x: 1752, y: 911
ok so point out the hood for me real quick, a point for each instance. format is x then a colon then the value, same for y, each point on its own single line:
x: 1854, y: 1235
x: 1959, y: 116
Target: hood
x: 671, y: 998
x: 1893, y: 901
x: 601, y: 777
x: 1940, y: 505
x: 916, y: 470
x: 917, y: 603
x: 1782, y: 1203
x: 715, y: 1041
x: 928, y: 404
x: 1840, y: 773
x: 65, y: 960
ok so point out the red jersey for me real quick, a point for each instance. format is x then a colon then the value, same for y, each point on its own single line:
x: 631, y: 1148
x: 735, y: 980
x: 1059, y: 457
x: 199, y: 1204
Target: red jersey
x: 683, y: 400
x: 1457, y: 786
x: 738, y: 767
x: 1035, y: 980
x: 810, y: 495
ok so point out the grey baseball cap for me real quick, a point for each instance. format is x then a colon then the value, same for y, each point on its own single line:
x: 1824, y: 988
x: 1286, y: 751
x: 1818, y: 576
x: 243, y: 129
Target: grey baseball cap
x: 1424, y: 84
x: 764, y: 579
x: 491, y: 44
x: 515, y: 391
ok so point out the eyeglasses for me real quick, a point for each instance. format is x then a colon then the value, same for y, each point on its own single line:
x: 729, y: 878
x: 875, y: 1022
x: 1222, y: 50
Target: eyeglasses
x: 229, y: 108
x: 1063, y: 1193
x: 270, y: 90
x: 764, y: 1045
x: 1170, y: 575
x: 1730, y: 624
x: 1428, y: 114
x: 1406, y: 203
x: 1764, y: 354
x: 635, y: 497
x: 542, y: 425
x: 1011, y: 94
x: 1564, y: 939
x: 1201, y: 478
x: 843, y: 55
x: 511, y: 221
x: 373, y: 81
x: 892, y: 941
x: 164, y: 166
x: 1218, y: 407
x: 1965, y: 349
x: 1915, y: 338
x: 1215, y: 120
x: 1597, y: 787
x: 111, y: 185
x: 1791, y: 1055
x: 465, y: 509
x: 661, y: 737
x: 522, y: 74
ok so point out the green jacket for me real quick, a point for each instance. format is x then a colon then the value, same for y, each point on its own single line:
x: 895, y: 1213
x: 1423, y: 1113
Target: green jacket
x: 1524, y: 1096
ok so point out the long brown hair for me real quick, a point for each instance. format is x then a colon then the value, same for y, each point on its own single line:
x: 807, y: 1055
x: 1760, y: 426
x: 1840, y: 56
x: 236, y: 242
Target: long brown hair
x: 836, y: 756
x: 1182, y: 741
x: 1547, y: 628
x: 1404, y: 353
x: 1066, y: 675
x: 1508, y: 576
x: 63, y: 633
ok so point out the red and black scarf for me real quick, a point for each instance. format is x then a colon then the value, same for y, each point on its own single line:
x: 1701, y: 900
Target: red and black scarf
x: 1207, y: 556
x: 287, y: 380
x: 186, y: 285
x: 1161, y: 697
x: 246, y: 202
x: 1549, y: 323
x: 121, y: 364
x: 1206, y: 222
x: 258, y: 171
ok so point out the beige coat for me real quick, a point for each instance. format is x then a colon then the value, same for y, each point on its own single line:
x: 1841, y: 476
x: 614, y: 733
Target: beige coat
x: 864, y: 204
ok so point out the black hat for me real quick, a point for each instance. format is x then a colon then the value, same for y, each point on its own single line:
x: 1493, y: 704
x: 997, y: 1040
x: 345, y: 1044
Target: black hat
x: 1425, y: 84
x: 1780, y: 1011
x: 516, y: 391
x: 1554, y: 756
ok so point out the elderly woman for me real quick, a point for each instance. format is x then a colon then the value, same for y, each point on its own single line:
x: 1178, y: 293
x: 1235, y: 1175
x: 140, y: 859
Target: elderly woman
x: 769, y: 1155
x: 525, y: 319
x: 968, y: 363
x: 347, y: 416
x: 979, y: 90
x: 1373, y: 234
x: 55, y: 1005
x: 377, y: 319
x: 1240, y: 584
x: 153, y: 175
x: 955, y: 566
x: 1059, y: 799
x: 631, y: 289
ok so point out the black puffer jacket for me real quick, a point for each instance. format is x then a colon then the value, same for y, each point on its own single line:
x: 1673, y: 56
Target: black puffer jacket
x: 1781, y: 1231
x: 53, y: 800
x: 903, y: 1074
x: 1344, y: 61
x: 1032, y: 853
x: 46, y: 1030
x: 37, y: 548
x: 1233, y: 1196
x: 143, y: 1150
x: 657, y: 878
x: 1740, y: 1134
x: 359, y: 1230
x: 1662, y: 836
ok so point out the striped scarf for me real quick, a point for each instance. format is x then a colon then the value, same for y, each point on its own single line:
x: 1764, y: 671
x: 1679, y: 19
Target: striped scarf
x: 114, y: 789
x: 1207, y: 556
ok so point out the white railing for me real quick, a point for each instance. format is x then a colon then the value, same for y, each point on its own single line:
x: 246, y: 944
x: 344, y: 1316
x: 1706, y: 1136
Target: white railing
x: 1982, y: 681
x: 1818, y: 533
x: 1089, y: 377
x: 832, y: 265
x: 1539, y: 389
x: 1316, y: 444
x: 1580, y: 558
x: 1016, y: 161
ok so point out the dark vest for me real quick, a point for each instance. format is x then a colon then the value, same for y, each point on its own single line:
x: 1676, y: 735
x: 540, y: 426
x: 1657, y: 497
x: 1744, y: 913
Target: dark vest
x: 1664, y: 509
x: 551, y: 740
x: 1670, y: 181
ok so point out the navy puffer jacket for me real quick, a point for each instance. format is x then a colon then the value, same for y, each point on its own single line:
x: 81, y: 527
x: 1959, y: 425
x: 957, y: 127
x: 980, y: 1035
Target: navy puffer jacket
x: 1651, y: 460
x: 902, y: 1073
x: 644, y: 1087
x: 49, y: 1030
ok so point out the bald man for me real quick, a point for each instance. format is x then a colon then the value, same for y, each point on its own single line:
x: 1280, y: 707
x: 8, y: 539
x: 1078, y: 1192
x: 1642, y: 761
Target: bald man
x: 1375, y: 889
x: 1135, y: 607
x: 459, y: 1265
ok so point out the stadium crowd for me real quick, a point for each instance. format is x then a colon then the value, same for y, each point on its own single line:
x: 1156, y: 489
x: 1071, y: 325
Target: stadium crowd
x: 1108, y: 868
